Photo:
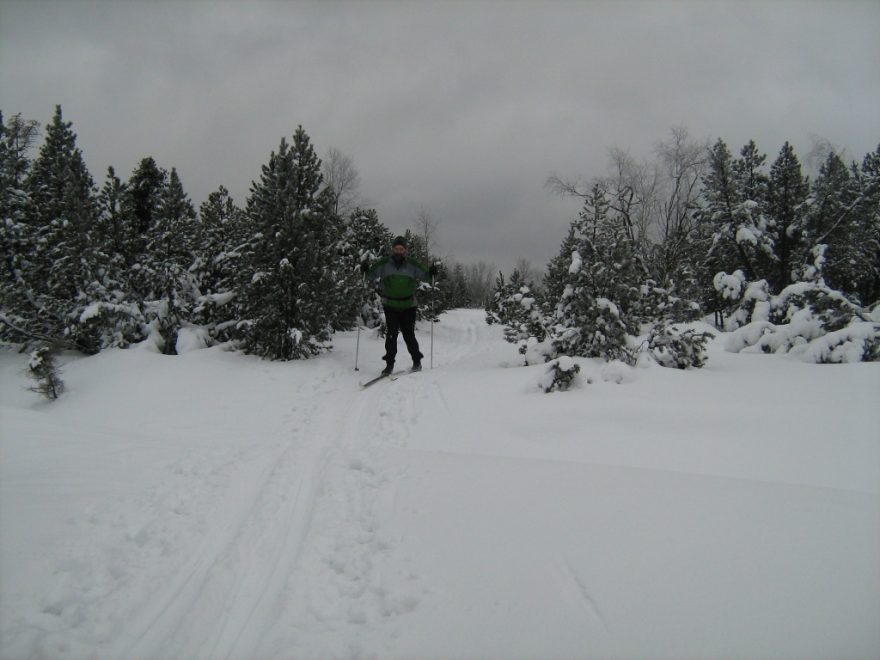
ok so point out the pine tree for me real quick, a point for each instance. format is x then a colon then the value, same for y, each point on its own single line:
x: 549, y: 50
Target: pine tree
x: 731, y: 217
x: 285, y: 279
x: 340, y: 266
x: 751, y: 182
x: 829, y: 227
x: 222, y: 235
x: 601, y: 286
x: 731, y: 214
x: 114, y: 225
x: 867, y: 221
x: 428, y: 303
x: 556, y: 275
x: 143, y: 193
x: 515, y: 306
x: 45, y: 372
x: 367, y: 238
x: 113, y: 317
x: 63, y: 272
x: 165, y: 266
x: 17, y: 299
x: 787, y: 192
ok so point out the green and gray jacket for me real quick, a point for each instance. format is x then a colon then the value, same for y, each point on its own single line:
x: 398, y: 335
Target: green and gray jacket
x: 398, y: 284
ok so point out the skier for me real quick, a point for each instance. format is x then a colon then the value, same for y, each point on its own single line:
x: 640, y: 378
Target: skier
x: 399, y: 276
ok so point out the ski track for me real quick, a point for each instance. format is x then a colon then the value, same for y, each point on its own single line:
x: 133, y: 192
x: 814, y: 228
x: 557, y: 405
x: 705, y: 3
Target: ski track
x: 273, y: 548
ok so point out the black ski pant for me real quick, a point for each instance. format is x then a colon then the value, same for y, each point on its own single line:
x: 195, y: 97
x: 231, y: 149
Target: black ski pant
x: 401, y: 321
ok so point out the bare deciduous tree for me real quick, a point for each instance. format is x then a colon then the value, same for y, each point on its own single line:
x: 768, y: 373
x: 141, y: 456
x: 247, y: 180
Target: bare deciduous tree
x: 480, y: 277
x: 530, y: 274
x: 426, y: 229
x: 19, y: 136
x: 681, y: 162
x: 654, y: 202
x: 341, y: 176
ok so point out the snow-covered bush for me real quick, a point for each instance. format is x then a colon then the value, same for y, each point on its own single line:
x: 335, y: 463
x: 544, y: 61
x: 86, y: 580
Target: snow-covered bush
x: 804, y: 336
x: 672, y: 347
x: 116, y: 324
x: 730, y: 287
x: 820, y: 324
x: 559, y: 374
x: 45, y: 372
x: 830, y: 308
x: 537, y: 352
x: 859, y: 342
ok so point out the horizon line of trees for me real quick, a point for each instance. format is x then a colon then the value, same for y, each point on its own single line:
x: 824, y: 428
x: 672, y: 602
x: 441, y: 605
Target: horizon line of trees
x: 695, y: 231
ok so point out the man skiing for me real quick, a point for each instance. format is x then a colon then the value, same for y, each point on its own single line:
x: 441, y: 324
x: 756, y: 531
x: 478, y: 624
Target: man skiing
x: 399, y: 276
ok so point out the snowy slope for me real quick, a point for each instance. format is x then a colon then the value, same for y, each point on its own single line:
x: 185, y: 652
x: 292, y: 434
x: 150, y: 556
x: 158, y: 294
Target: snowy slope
x: 213, y: 505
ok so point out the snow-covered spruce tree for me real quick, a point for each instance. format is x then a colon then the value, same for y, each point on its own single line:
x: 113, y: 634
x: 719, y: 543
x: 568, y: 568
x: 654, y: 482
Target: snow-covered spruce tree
x: 733, y: 199
x: 17, y: 300
x: 142, y: 195
x: 341, y: 266
x: 164, y: 274
x: 518, y: 309
x: 417, y: 249
x: 843, y: 245
x: 114, y: 315
x: 786, y: 212
x: 444, y: 295
x: 142, y: 198
x: 556, y: 276
x: 62, y: 276
x: 867, y: 212
x: 221, y: 236
x: 369, y: 239
x: 43, y: 369
x: 592, y: 316
x: 284, y: 274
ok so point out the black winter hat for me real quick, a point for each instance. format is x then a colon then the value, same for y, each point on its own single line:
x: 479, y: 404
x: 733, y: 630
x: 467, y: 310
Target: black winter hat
x: 400, y: 240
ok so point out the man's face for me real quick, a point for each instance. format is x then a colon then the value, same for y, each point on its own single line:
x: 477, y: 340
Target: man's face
x: 398, y: 251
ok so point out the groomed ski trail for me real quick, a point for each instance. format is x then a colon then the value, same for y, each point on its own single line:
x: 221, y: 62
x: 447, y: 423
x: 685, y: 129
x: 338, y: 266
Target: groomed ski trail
x: 294, y: 561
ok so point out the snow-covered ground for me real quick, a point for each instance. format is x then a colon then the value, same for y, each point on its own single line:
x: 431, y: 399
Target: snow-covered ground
x: 213, y: 505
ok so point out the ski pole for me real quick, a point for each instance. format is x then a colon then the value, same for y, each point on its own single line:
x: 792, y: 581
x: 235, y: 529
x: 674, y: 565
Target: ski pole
x: 358, y: 318
x: 357, y: 346
x: 432, y: 321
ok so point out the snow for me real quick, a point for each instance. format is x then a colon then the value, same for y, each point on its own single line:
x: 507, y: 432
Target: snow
x: 746, y: 235
x: 213, y: 505
x: 729, y: 286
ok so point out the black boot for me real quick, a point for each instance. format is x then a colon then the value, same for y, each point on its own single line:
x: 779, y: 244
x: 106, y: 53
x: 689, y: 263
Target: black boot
x: 417, y: 366
x: 389, y: 367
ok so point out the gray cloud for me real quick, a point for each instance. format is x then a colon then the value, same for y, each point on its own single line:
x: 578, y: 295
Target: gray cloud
x: 462, y: 109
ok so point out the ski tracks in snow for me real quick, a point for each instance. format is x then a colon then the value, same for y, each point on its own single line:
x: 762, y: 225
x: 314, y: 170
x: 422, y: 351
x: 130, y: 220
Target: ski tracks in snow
x: 298, y: 569
x: 264, y: 547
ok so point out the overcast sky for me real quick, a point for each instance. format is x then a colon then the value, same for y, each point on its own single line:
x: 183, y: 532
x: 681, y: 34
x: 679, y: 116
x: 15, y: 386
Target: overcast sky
x: 462, y: 109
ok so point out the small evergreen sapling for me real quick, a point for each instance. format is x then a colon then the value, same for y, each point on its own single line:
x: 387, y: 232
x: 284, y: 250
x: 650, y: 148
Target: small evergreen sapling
x: 672, y: 347
x: 559, y: 374
x: 44, y: 370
